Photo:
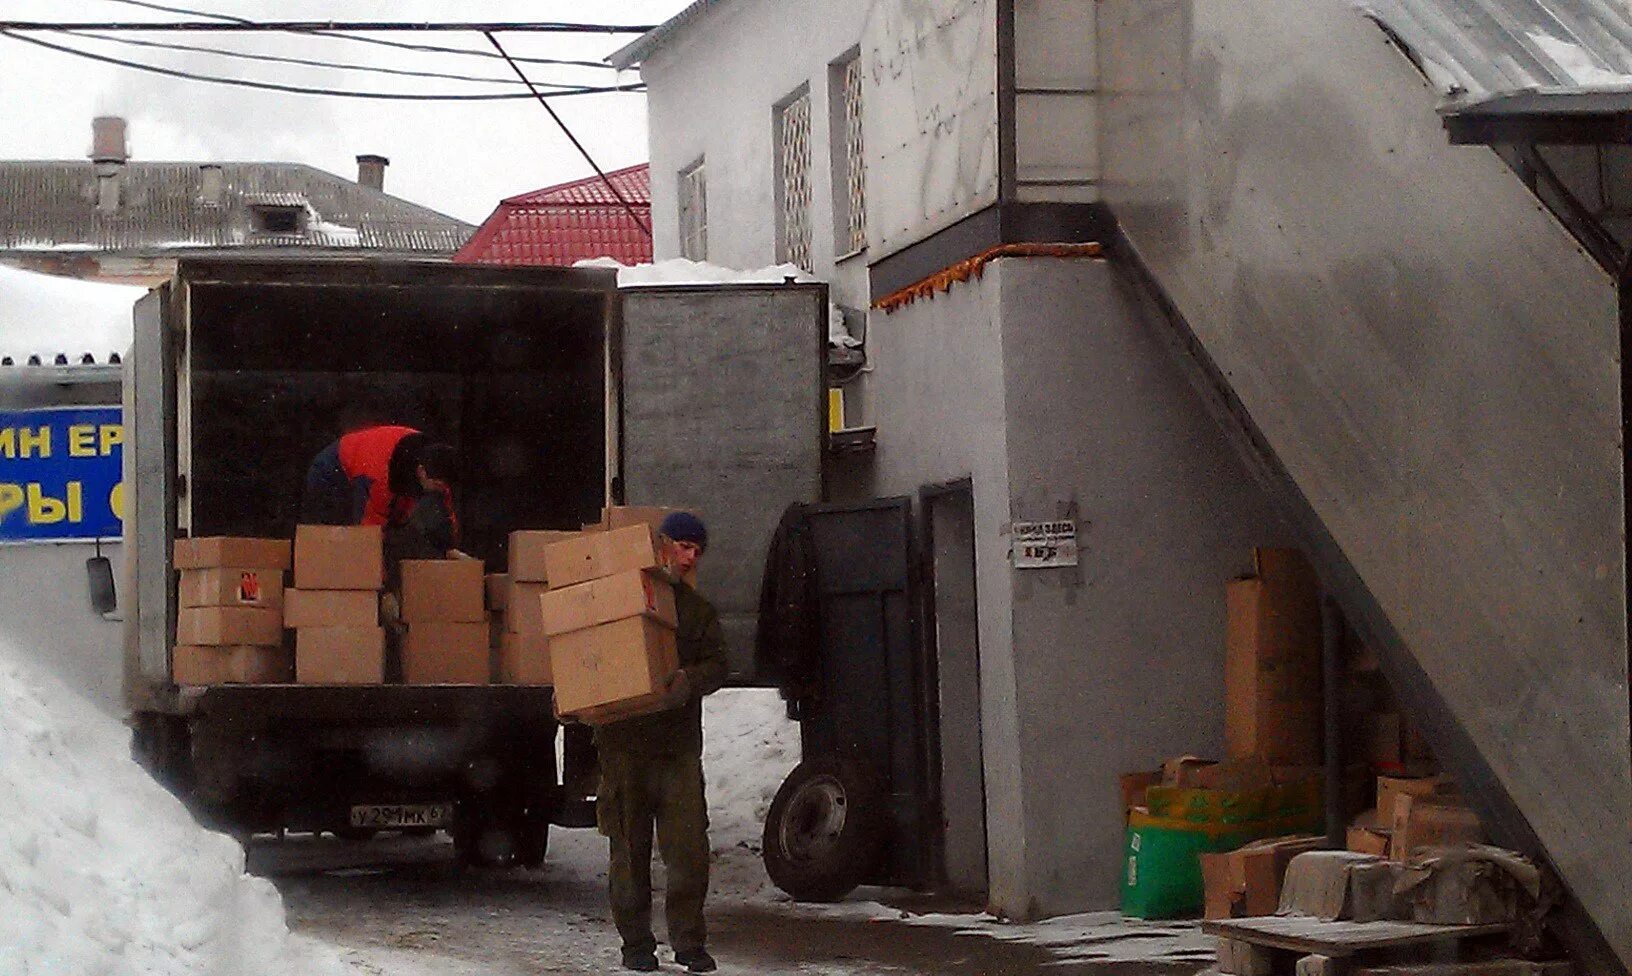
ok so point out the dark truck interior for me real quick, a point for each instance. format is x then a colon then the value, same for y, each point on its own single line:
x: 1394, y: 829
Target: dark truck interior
x: 513, y: 377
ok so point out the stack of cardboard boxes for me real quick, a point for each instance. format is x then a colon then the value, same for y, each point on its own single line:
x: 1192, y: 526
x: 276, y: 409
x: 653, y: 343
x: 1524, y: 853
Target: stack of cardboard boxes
x: 335, y: 606
x: 230, y: 625
x: 609, y: 616
x: 524, y: 657
x: 443, y: 607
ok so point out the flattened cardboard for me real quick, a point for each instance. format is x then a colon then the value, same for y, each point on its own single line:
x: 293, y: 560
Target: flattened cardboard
x: 616, y: 597
x: 527, y: 553
x: 598, y: 554
x: 224, y: 552
x: 612, y: 663
x: 223, y: 587
x: 339, y: 557
x: 340, y: 656
x: 443, y: 591
x: 525, y: 660
x: 197, y: 664
x: 437, y: 652
x: 226, y: 626
x: 331, y: 608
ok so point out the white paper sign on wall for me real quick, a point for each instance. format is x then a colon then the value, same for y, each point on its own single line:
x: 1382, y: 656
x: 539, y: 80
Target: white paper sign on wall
x: 1043, y: 545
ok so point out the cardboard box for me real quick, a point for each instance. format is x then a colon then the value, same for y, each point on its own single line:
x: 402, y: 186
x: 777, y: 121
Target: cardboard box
x: 623, y: 516
x: 339, y: 557
x: 615, y: 597
x: 525, y: 660
x: 340, y: 656
x: 440, y: 652
x: 443, y: 590
x: 222, y: 587
x: 1367, y: 840
x: 1219, y: 899
x: 1334, y: 885
x: 1183, y: 770
x: 1272, y: 682
x: 331, y: 608
x: 527, y: 548
x: 1389, y: 787
x: 1419, y: 823
x: 1246, y: 882
x: 526, y: 613
x: 607, y: 714
x: 1133, y: 786
x: 598, y: 554
x: 198, y: 664
x: 227, y: 552
x: 225, y: 626
x: 612, y: 663
x: 498, y: 590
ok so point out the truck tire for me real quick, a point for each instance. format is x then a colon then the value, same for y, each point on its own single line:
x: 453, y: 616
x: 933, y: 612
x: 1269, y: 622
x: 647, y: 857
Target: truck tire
x: 825, y: 830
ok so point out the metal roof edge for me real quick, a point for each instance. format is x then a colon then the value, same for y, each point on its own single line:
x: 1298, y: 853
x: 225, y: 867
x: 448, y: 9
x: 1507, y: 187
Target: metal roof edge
x: 637, y: 51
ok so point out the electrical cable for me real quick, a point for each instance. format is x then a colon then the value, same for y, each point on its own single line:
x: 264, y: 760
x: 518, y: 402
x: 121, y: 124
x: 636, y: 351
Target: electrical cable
x: 572, y: 138
x: 277, y: 59
x: 301, y: 90
x: 382, y: 42
x: 315, y: 26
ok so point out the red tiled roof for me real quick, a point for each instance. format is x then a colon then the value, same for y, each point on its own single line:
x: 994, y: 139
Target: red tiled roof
x: 570, y: 222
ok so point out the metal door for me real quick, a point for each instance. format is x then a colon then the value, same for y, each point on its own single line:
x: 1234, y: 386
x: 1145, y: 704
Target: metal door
x: 871, y: 697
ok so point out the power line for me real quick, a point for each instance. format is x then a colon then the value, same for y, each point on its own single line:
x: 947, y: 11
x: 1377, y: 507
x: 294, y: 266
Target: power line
x: 301, y: 90
x: 380, y: 41
x: 319, y: 26
x: 245, y: 55
x: 574, y: 139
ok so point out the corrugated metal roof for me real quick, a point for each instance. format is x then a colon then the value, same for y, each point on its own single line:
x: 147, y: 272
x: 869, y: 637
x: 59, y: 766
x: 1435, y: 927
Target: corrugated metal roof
x: 570, y: 222
x: 1485, y: 47
x: 634, y: 182
x: 641, y: 47
x: 51, y: 206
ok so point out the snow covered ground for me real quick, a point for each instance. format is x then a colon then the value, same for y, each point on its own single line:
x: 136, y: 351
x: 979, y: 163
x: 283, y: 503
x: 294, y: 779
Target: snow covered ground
x: 103, y: 872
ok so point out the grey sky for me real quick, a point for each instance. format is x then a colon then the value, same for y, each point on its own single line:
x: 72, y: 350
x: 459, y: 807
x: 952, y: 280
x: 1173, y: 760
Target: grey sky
x: 458, y: 158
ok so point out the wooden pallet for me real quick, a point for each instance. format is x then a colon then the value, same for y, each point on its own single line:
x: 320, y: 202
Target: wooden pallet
x: 1335, y: 942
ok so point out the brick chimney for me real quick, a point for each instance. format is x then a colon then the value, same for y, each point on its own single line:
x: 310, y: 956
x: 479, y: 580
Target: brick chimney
x: 371, y: 171
x: 109, y: 153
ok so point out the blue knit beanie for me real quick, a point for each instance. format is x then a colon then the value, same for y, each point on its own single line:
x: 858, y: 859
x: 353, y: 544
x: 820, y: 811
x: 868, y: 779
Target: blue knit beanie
x: 685, y: 527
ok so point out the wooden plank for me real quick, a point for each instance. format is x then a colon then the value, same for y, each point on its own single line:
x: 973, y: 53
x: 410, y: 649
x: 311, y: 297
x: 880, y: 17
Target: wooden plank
x: 1312, y: 935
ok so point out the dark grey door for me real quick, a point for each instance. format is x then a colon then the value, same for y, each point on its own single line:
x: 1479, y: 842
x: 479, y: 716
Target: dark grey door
x: 871, y: 697
x: 724, y: 401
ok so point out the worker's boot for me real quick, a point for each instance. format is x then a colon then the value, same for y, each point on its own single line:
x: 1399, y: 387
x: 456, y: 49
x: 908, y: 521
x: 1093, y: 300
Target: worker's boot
x: 695, y: 960
x: 640, y: 960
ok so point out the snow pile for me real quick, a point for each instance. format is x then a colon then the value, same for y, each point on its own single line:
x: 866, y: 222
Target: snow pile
x: 47, y: 314
x: 679, y: 271
x: 1092, y: 937
x: 749, y: 747
x: 104, y: 872
x: 1578, y: 63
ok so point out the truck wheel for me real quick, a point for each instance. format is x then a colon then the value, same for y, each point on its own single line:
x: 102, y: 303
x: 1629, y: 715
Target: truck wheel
x: 825, y: 829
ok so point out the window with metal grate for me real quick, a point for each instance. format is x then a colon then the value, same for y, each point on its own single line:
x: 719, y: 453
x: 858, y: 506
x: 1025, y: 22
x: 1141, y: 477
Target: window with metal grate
x: 849, y: 163
x: 694, y: 212
x: 793, y: 235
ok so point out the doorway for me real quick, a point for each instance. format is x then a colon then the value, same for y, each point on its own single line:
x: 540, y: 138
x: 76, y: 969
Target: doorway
x: 953, y: 634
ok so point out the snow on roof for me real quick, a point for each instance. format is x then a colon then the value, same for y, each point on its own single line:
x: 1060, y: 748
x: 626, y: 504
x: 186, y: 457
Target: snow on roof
x: 45, y: 315
x: 679, y: 271
x: 1487, y: 47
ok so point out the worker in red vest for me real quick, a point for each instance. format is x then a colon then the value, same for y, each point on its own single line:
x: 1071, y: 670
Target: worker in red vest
x: 380, y: 475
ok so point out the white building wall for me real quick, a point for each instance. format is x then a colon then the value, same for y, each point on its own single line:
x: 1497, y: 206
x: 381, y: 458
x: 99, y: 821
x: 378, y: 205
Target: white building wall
x: 46, y: 618
x: 711, y: 95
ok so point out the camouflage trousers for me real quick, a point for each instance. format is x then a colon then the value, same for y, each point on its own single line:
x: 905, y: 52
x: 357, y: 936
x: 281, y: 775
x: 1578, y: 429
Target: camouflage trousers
x: 638, y: 793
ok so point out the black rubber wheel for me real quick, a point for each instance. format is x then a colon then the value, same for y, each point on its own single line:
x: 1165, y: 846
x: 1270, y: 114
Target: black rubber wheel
x: 825, y: 829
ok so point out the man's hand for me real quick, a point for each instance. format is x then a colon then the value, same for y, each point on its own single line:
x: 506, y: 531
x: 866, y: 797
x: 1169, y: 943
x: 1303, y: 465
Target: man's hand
x: 678, y: 691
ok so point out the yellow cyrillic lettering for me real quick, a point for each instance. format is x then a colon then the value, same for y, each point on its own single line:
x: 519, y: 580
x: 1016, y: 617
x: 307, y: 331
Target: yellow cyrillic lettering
x: 112, y: 436
x: 82, y: 440
x: 29, y: 441
x: 11, y: 498
x: 116, y: 501
x: 76, y: 502
x: 42, y: 508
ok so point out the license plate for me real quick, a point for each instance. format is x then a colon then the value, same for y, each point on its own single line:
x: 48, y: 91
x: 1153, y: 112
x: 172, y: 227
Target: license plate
x: 390, y: 815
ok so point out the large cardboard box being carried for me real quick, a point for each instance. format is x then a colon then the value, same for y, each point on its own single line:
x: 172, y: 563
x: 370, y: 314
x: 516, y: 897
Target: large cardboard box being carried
x: 613, y: 670
x: 443, y: 591
x: 600, y: 601
x: 1272, y: 684
x: 339, y: 557
x: 593, y: 555
x: 340, y: 655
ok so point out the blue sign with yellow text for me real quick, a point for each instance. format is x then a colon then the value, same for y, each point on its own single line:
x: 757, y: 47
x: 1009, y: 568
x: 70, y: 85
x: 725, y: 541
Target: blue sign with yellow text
x: 61, y: 476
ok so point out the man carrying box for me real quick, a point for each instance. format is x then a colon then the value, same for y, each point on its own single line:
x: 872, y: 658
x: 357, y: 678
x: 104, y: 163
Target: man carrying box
x: 652, y: 773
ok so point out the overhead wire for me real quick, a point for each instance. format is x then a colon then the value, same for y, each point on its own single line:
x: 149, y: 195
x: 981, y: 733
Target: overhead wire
x: 380, y: 41
x: 279, y: 59
x: 305, y: 90
x: 314, y: 26
x: 647, y: 230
